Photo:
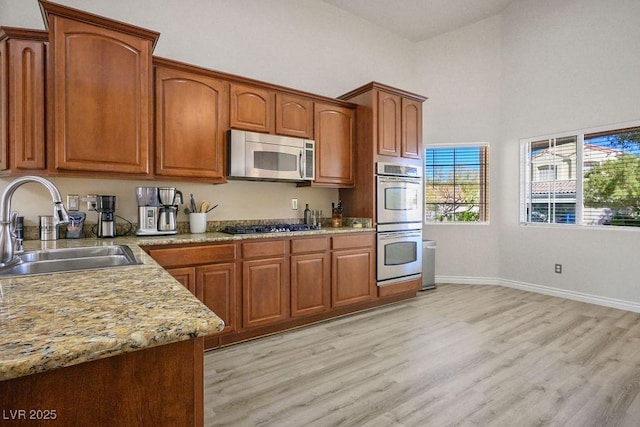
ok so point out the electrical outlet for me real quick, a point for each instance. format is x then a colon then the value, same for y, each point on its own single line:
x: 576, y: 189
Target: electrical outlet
x: 91, y: 201
x: 559, y: 268
x: 294, y: 204
x: 73, y: 202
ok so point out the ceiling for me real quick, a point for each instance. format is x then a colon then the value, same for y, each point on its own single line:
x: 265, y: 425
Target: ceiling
x: 418, y: 20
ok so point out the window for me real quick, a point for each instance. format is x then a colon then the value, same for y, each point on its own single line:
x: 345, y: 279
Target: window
x: 456, y: 183
x: 589, y: 178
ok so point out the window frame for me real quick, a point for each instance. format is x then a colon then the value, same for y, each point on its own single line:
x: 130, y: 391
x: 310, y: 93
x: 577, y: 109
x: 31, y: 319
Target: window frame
x: 525, y: 173
x: 484, y: 182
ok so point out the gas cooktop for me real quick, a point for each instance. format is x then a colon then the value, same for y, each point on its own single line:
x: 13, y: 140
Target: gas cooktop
x: 267, y: 228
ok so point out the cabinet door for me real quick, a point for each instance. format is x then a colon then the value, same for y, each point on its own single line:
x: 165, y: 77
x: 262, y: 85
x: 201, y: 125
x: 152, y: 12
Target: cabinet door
x: 265, y: 295
x: 186, y: 276
x: 310, y: 284
x: 252, y: 108
x: 216, y: 288
x: 334, y: 136
x: 294, y: 116
x: 389, y: 124
x: 411, y: 129
x: 101, y: 98
x: 352, y: 277
x: 22, y: 109
x: 190, y: 131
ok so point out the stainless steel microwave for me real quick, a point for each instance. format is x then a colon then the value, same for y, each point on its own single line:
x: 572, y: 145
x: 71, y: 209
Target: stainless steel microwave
x: 260, y: 156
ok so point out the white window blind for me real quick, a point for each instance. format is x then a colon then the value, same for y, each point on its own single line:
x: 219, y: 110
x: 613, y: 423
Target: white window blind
x: 456, y: 183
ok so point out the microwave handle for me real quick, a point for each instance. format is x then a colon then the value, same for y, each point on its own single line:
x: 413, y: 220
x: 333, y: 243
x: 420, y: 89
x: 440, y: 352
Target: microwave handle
x: 302, y: 165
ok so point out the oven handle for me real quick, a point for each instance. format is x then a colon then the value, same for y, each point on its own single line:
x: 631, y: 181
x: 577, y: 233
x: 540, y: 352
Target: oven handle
x: 383, y: 179
x: 398, y: 234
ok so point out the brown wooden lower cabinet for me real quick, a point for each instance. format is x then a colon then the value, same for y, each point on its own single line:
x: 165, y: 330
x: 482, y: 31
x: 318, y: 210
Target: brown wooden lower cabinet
x: 186, y: 276
x: 216, y: 288
x: 265, y: 294
x: 310, y: 284
x: 352, y: 277
x: 276, y: 284
x: 158, y: 386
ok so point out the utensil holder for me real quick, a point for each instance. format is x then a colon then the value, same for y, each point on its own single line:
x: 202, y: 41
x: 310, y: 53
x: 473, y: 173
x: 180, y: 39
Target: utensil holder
x: 197, y: 222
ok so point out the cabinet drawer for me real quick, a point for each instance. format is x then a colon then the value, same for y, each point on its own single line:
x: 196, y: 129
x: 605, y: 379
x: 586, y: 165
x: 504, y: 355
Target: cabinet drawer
x: 263, y: 249
x: 193, y: 255
x: 316, y: 244
x: 352, y: 241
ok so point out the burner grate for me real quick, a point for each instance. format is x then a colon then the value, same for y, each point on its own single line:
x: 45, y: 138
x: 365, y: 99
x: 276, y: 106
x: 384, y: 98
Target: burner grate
x: 267, y: 228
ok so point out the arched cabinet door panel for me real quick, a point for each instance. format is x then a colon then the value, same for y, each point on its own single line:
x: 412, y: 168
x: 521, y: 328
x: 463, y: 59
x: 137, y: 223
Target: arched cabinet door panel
x: 252, y: 108
x: 100, y: 93
x: 190, y: 124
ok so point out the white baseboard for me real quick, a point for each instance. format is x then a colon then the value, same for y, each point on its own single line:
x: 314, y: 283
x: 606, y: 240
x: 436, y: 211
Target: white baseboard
x: 546, y: 290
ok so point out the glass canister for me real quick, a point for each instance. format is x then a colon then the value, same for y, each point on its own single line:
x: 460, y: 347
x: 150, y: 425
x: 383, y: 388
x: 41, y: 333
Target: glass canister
x: 75, y: 225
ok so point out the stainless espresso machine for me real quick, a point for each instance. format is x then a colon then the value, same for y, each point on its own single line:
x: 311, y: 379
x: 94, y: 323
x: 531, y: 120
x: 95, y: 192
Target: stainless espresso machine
x: 157, y: 210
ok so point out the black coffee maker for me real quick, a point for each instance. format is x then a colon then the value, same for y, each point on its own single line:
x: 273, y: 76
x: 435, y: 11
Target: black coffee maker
x: 106, y: 207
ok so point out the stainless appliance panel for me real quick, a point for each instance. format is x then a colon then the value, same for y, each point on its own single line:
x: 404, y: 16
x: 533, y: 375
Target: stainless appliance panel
x: 270, y: 157
x: 399, y: 255
x: 399, y: 199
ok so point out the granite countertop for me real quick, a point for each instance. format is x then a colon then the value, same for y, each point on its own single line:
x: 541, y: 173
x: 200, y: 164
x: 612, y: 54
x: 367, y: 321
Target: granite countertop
x: 57, y: 320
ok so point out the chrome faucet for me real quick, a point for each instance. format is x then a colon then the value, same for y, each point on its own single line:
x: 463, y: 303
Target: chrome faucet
x: 8, y: 219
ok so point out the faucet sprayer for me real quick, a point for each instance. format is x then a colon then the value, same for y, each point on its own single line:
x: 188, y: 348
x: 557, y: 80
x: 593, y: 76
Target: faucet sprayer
x: 7, y: 220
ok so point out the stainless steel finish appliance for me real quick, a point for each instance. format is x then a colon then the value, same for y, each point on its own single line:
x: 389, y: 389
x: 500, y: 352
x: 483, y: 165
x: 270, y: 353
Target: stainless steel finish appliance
x: 268, y: 228
x: 399, y: 223
x: 399, y: 197
x: 260, y: 156
x: 428, y: 264
x: 158, y: 210
x: 399, y: 248
x: 106, y: 207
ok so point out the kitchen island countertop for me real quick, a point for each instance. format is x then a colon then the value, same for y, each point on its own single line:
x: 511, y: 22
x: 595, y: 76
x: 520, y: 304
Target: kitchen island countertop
x: 57, y: 320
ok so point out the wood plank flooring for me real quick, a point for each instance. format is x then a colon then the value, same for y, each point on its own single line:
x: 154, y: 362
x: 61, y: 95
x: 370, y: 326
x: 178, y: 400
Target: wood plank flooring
x: 457, y: 355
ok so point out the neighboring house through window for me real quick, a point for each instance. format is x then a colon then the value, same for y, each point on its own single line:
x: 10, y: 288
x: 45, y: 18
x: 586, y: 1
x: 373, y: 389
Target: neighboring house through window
x: 587, y: 178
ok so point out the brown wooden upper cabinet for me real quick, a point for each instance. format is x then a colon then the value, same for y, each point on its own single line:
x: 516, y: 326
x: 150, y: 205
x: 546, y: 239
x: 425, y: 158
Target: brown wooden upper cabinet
x: 100, y: 96
x: 411, y: 141
x: 294, y: 116
x: 252, y: 108
x: 22, y: 99
x: 334, y: 137
x: 191, y: 117
x: 266, y: 110
x: 399, y: 126
x: 397, y: 117
x: 389, y: 124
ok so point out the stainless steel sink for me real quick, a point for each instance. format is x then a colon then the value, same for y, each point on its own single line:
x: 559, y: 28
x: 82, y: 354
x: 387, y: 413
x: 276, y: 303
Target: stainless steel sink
x: 68, y: 260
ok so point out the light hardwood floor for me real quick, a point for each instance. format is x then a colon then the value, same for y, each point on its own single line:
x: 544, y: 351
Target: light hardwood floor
x: 457, y: 355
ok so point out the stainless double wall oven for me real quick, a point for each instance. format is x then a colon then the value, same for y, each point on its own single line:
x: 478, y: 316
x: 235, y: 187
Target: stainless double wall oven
x: 399, y: 222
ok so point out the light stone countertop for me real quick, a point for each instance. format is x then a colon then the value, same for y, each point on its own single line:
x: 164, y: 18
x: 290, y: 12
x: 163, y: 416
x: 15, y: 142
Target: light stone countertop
x: 56, y: 320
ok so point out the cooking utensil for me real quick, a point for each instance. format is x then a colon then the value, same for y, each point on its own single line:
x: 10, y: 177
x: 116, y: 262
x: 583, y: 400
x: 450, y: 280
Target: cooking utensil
x: 194, y: 208
x: 210, y: 209
x: 187, y: 211
x: 204, y: 206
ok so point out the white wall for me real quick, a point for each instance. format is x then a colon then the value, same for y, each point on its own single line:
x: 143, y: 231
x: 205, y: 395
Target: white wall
x: 460, y: 73
x: 303, y: 44
x: 538, y: 68
x: 567, y: 64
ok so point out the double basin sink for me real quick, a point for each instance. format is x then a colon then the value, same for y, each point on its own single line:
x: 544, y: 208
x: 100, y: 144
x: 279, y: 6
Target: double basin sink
x: 69, y: 260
